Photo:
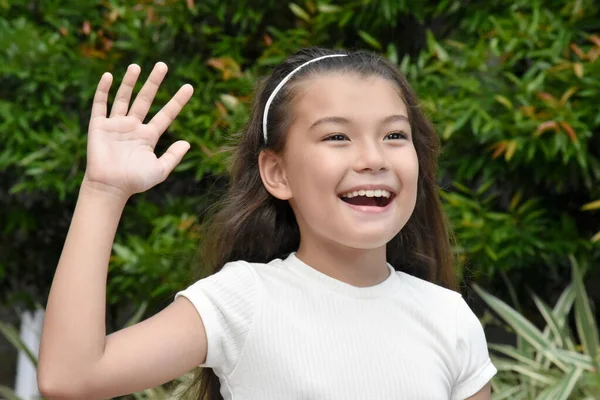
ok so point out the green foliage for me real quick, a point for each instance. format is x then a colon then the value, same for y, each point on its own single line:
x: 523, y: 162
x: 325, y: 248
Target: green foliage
x: 511, y: 238
x: 513, y: 93
x: 548, y: 363
x: 513, y: 90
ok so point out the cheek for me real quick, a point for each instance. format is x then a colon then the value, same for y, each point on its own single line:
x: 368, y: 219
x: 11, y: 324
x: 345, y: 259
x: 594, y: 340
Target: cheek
x: 407, y: 167
x: 315, y: 171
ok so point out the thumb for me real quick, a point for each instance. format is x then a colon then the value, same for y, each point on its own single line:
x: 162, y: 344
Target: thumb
x: 173, y: 156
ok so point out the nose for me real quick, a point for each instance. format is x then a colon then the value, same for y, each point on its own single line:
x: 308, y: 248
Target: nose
x: 370, y: 156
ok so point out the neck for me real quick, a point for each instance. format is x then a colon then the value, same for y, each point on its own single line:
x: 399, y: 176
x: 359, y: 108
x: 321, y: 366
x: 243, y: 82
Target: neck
x: 357, y: 267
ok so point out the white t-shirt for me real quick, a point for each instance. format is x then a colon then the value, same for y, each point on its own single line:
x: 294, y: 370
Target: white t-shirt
x: 284, y: 330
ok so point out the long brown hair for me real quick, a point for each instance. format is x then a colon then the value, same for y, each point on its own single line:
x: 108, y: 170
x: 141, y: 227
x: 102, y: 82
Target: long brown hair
x: 254, y: 226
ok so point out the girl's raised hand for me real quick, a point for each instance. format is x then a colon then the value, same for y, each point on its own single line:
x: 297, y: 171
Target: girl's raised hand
x: 120, y: 149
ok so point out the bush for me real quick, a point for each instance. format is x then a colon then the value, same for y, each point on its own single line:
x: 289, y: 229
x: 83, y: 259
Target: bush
x: 512, y: 89
x: 549, y: 364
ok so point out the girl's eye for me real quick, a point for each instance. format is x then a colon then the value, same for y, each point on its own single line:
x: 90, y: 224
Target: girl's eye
x: 397, y: 135
x: 336, y: 137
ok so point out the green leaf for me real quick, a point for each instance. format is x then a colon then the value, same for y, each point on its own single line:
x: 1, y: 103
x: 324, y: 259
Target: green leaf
x: 299, y: 12
x: 537, y: 375
x: 553, y: 324
x: 347, y: 16
x: 594, y: 205
x: 484, y: 188
x: 567, y: 385
x: 12, y: 335
x: 460, y: 122
x: 563, y: 306
x: 504, y: 101
x: 370, y: 40
x: 435, y: 47
x: 514, y: 353
x: 520, y: 324
x: 508, y: 392
x: 462, y: 187
x: 491, y: 253
x: 125, y: 253
x: 8, y: 394
x: 392, y: 53
x: 584, y: 318
x: 549, y: 393
x: 328, y: 8
x: 577, y: 359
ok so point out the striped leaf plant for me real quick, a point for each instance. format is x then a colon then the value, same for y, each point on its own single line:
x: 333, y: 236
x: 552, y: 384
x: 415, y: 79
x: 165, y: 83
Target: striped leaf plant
x: 548, y: 364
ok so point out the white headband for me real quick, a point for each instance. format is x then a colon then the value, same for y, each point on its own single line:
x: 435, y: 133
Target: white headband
x: 283, y: 81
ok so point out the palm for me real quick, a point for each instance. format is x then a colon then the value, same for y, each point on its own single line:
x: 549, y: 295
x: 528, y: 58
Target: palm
x: 121, y: 147
x: 121, y: 151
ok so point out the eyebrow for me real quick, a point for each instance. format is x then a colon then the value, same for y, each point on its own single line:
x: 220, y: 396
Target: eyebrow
x: 342, y: 120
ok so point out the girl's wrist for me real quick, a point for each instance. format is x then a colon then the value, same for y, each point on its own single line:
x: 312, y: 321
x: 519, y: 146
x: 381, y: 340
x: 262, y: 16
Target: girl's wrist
x: 102, y: 192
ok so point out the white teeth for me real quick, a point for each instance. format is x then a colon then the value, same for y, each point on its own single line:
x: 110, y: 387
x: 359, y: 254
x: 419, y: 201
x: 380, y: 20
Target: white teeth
x: 368, y: 193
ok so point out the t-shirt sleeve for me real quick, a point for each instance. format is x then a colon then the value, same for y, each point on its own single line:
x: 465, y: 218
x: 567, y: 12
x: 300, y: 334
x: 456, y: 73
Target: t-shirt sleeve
x: 475, y: 367
x: 226, y: 302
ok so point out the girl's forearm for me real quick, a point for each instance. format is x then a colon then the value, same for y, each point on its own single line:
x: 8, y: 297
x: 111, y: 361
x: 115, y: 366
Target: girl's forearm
x: 74, y: 329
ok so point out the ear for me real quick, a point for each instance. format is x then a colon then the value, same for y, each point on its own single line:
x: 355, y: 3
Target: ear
x: 272, y: 173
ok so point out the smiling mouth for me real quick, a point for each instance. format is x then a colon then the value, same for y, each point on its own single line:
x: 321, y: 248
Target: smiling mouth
x: 370, y: 201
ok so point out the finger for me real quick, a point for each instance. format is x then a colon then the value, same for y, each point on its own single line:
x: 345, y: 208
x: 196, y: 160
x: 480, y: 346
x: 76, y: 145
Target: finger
x: 123, y: 97
x: 101, y: 96
x: 173, y: 156
x: 144, y: 99
x: 161, y: 121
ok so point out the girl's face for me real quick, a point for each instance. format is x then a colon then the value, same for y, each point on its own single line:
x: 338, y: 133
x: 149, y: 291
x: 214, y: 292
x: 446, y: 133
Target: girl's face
x: 349, y: 167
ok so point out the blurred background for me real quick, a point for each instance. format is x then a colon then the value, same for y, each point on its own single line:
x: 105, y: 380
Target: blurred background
x: 513, y: 88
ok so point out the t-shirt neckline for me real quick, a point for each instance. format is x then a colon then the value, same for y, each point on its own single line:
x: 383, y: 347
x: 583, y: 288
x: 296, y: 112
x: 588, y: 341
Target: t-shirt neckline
x: 305, y: 270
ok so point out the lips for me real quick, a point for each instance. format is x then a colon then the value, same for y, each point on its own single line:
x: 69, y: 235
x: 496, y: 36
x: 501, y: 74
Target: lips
x: 368, y: 196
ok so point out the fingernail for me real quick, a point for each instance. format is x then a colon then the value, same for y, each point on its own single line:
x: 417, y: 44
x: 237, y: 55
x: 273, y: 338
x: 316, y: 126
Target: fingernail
x: 161, y: 66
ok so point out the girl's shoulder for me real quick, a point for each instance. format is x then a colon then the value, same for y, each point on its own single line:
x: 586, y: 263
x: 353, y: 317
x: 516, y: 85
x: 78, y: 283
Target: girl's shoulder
x: 242, y: 273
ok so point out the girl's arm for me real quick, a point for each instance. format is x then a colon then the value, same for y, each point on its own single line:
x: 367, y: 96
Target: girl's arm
x: 77, y: 359
x: 483, y: 394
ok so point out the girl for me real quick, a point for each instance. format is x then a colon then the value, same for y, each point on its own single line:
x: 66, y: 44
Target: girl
x: 334, y: 268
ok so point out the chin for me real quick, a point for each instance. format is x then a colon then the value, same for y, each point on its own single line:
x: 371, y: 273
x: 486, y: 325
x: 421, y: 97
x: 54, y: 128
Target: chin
x: 367, y: 242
